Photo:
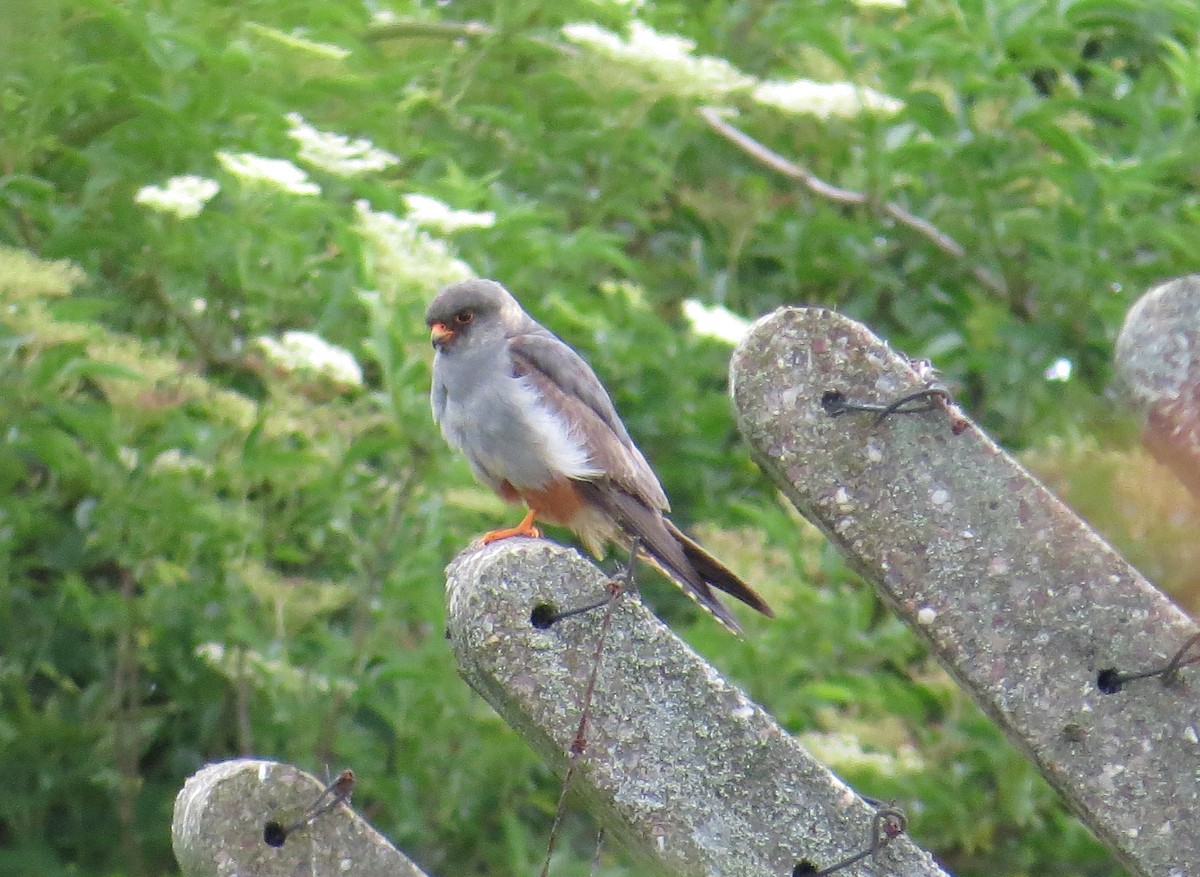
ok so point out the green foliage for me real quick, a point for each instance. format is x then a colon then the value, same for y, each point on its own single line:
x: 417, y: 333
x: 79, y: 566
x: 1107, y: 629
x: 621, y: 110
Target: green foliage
x: 205, y: 550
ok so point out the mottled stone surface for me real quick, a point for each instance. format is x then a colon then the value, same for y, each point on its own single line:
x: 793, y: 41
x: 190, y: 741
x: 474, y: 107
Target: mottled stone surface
x: 1158, y: 360
x: 221, y: 811
x: 1020, y: 600
x: 692, y: 777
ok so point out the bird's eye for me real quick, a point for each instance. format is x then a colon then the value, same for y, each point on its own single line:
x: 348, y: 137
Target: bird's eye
x: 463, y: 317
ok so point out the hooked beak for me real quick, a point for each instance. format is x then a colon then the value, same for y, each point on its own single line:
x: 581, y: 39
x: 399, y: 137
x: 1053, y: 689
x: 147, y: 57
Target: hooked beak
x: 439, y: 334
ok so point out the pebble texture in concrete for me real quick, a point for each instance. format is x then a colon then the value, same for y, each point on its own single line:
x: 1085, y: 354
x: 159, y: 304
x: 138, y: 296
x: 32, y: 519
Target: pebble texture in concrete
x: 692, y: 777
x: 1020, y: 600
x: 221, y: 811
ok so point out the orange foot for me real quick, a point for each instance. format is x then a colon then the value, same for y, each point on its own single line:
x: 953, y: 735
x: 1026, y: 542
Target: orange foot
x: 525, y: 528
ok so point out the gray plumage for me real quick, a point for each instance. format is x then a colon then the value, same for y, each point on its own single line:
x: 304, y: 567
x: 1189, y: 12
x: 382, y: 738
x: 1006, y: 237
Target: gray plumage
x: 528, y: 412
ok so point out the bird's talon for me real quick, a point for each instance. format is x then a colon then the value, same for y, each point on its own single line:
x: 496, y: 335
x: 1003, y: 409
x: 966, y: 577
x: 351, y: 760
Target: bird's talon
x: 508, y: 533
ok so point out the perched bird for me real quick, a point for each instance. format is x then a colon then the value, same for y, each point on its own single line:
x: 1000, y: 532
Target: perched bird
x: 537, y: 427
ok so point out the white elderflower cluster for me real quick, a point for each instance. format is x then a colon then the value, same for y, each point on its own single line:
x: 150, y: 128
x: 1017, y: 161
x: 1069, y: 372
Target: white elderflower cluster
x: 183, y: 196
x: 278, y: 173
x: 666, y: 57
x: 825, y: 100
x: 881, y: 4
x: 845, y: 751
x: 312, y: 354
x: 239, y: 663
x: 715, y: 321
x: 432, y: 213
x: 670, y: 59
x: 1059, y: 370
x: 337, y: 153
x: 176, y: 460
x: 401, y: 255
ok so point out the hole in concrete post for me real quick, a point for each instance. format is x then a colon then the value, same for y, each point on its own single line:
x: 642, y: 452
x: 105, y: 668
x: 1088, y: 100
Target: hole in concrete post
x: 274, y: 834
x: 833, y: 402
x: 1109, y: 681
x: 543, y: 615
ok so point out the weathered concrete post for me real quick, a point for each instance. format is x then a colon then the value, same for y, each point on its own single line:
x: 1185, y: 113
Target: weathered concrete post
x: 1020, y: 601
x: 1158, y: 359
x: 680, y: 766
x: 221, y: 810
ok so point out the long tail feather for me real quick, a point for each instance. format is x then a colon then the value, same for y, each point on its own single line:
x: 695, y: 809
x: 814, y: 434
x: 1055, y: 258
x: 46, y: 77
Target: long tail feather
x: 696, y: 588
x: 716, y: 573
x: 675, y: 555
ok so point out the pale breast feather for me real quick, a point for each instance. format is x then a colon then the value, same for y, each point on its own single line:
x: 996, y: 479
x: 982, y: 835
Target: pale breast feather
x: 563, y: 448
x: 509, y: 433
x: 569, y: 387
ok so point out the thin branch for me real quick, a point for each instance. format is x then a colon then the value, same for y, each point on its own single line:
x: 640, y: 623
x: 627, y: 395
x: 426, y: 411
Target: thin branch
x: 475, y: 30
x: 408, y: 28
x: 776, y: 162
x: 241, y: 690
x: 371, y: 569
x: 396, y: 30
x: 210, y: 355
x: 127, y: 722
x: 84, y: 131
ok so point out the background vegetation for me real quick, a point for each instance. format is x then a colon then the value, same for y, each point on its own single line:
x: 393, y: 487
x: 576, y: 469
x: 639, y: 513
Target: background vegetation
x: 209, y: 547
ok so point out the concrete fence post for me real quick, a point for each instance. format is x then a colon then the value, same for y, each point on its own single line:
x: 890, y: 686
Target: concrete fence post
x: 1158, y: 360
x: 221, y: 811
x: 688, y: 774
x: 1017, y: 597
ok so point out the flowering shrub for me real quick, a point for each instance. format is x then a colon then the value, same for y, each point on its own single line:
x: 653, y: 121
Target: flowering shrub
x: 225, y: 509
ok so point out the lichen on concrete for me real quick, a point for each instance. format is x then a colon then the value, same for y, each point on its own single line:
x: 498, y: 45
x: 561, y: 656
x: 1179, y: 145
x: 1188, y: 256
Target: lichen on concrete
x: 221, y: 811
x: 1020, y: 600
x: 679, y: 765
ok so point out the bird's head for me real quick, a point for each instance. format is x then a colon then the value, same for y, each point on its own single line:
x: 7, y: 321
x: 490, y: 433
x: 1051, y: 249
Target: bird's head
x: 463, y: 314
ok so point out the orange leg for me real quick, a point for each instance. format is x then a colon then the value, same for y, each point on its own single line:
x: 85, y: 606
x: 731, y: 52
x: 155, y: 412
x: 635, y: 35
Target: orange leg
x: 525, y: 528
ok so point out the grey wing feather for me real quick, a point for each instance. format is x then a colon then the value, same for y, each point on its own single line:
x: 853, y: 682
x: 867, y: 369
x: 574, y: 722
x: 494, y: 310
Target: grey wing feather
x: 568, y: 385
x: 629, y: 493
x: 657, y: 544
